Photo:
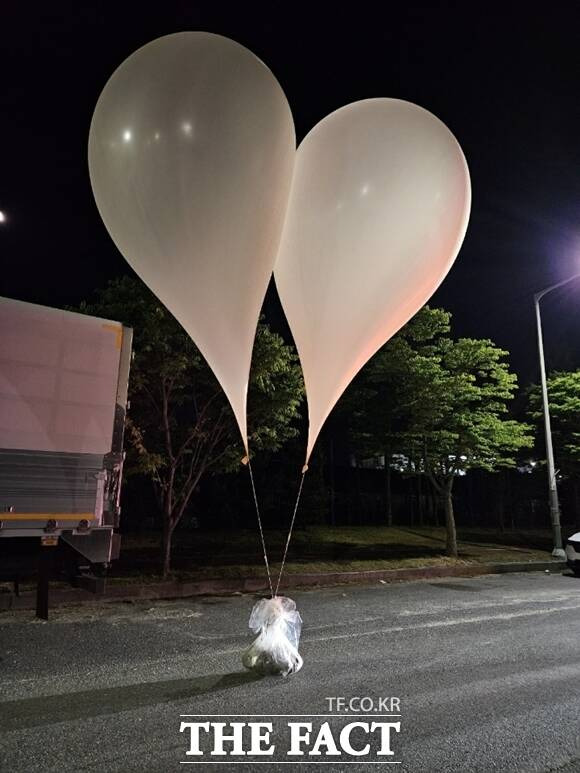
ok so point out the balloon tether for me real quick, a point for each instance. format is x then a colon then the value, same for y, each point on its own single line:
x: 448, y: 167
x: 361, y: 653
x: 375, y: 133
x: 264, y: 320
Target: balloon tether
x: 246, y: 460
x: 304, y: 469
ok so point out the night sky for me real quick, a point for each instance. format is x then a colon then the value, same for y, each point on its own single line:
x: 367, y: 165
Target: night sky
x: 505, y: 80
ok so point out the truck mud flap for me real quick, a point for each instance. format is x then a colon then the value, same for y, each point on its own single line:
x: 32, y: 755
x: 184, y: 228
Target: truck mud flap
x: 96, y: 545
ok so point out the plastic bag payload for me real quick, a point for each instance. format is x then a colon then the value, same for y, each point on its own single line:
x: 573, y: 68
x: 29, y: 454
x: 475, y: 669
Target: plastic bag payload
x: 275, y: 651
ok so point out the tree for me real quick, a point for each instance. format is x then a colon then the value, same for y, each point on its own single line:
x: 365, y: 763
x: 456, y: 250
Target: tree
x: 564, y: 400
x: 180, y: 426
x: 389, y: 390
x: 442, y: 406
x: 467, y: 426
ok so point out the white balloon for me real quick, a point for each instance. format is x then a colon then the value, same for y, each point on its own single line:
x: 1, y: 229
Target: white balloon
x: 378, y: 210
x: 191, y: 152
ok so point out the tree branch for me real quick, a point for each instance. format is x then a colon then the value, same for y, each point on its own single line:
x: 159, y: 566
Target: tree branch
x: 168, y: 441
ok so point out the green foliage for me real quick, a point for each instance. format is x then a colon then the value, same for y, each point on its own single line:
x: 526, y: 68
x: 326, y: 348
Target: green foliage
x: 564, y: 401
x: 276, y: 391
x: 180, y: 425
x: 468, y: 426
x: 391, y: 386
x: 437, y: 402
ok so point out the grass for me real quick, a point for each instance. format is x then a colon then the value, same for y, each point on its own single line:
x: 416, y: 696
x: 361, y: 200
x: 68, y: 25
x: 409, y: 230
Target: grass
x: 199, y: 555
x: 317, y: 549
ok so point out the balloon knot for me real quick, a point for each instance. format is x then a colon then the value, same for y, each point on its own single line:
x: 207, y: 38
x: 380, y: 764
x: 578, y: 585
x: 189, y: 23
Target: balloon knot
x: 304, y: 469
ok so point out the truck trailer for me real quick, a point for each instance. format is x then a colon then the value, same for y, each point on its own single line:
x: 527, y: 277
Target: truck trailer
x: 63, y: 398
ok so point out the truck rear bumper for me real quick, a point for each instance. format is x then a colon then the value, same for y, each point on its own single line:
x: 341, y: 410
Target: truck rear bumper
x: 99, y: 544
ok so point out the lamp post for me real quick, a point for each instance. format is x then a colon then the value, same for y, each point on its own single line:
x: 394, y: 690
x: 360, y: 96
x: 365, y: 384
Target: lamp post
x: 558, y: 551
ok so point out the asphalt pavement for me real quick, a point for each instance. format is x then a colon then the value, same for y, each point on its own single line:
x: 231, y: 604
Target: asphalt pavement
x: 486, y: 672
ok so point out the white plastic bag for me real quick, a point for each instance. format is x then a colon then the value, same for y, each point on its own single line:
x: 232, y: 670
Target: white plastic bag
x: 275, y: 651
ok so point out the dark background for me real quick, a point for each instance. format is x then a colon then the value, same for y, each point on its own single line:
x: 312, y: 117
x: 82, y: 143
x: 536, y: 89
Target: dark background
x: 504, y: 78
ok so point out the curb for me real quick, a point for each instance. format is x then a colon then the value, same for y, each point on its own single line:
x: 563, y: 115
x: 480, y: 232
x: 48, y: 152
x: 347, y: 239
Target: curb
x: 217, y: 587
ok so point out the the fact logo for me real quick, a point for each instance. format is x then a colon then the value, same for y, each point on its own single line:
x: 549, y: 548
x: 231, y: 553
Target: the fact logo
x: 284, y: 737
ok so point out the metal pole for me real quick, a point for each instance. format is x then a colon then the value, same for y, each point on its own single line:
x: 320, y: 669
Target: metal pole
x: 557, y: 552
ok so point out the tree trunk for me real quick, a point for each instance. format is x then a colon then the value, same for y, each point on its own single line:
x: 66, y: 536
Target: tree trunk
x: 332, y: 484
x: 450, y: 519
x: 420, y: 502
x: 168, y: 529
x: 358, y: 515
x: 470, y: 495
x: 508, y: 498
x: 434, y: 500
x: 388, y: 493
x: 431, y: 515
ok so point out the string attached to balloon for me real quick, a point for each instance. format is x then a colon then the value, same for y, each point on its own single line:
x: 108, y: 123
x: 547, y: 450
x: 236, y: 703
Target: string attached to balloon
x: 304, y: 469
x: 273, y: 593
x: 248, y: 463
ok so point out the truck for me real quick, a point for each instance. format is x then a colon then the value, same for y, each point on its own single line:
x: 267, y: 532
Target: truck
x: 63, y: 398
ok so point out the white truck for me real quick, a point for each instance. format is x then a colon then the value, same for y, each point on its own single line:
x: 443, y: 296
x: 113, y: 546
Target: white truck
x: 63, y: 396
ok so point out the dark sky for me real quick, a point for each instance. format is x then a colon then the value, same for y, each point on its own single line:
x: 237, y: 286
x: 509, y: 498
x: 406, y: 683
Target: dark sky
x: 503, y: 77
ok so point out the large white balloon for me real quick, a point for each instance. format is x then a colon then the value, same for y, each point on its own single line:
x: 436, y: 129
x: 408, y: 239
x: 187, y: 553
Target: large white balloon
x: 378, y: 210
x: 191, y: 152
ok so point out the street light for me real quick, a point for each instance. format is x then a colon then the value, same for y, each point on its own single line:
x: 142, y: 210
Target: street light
x: 558, y: 551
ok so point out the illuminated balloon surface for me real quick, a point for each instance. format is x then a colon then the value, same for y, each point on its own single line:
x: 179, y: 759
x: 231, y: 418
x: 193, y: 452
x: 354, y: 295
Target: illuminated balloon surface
x: 191, y: 152
x: 378, y: 210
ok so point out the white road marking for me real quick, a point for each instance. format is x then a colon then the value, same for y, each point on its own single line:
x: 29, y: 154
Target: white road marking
x: 444, y: 623
x: 436, y: 609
